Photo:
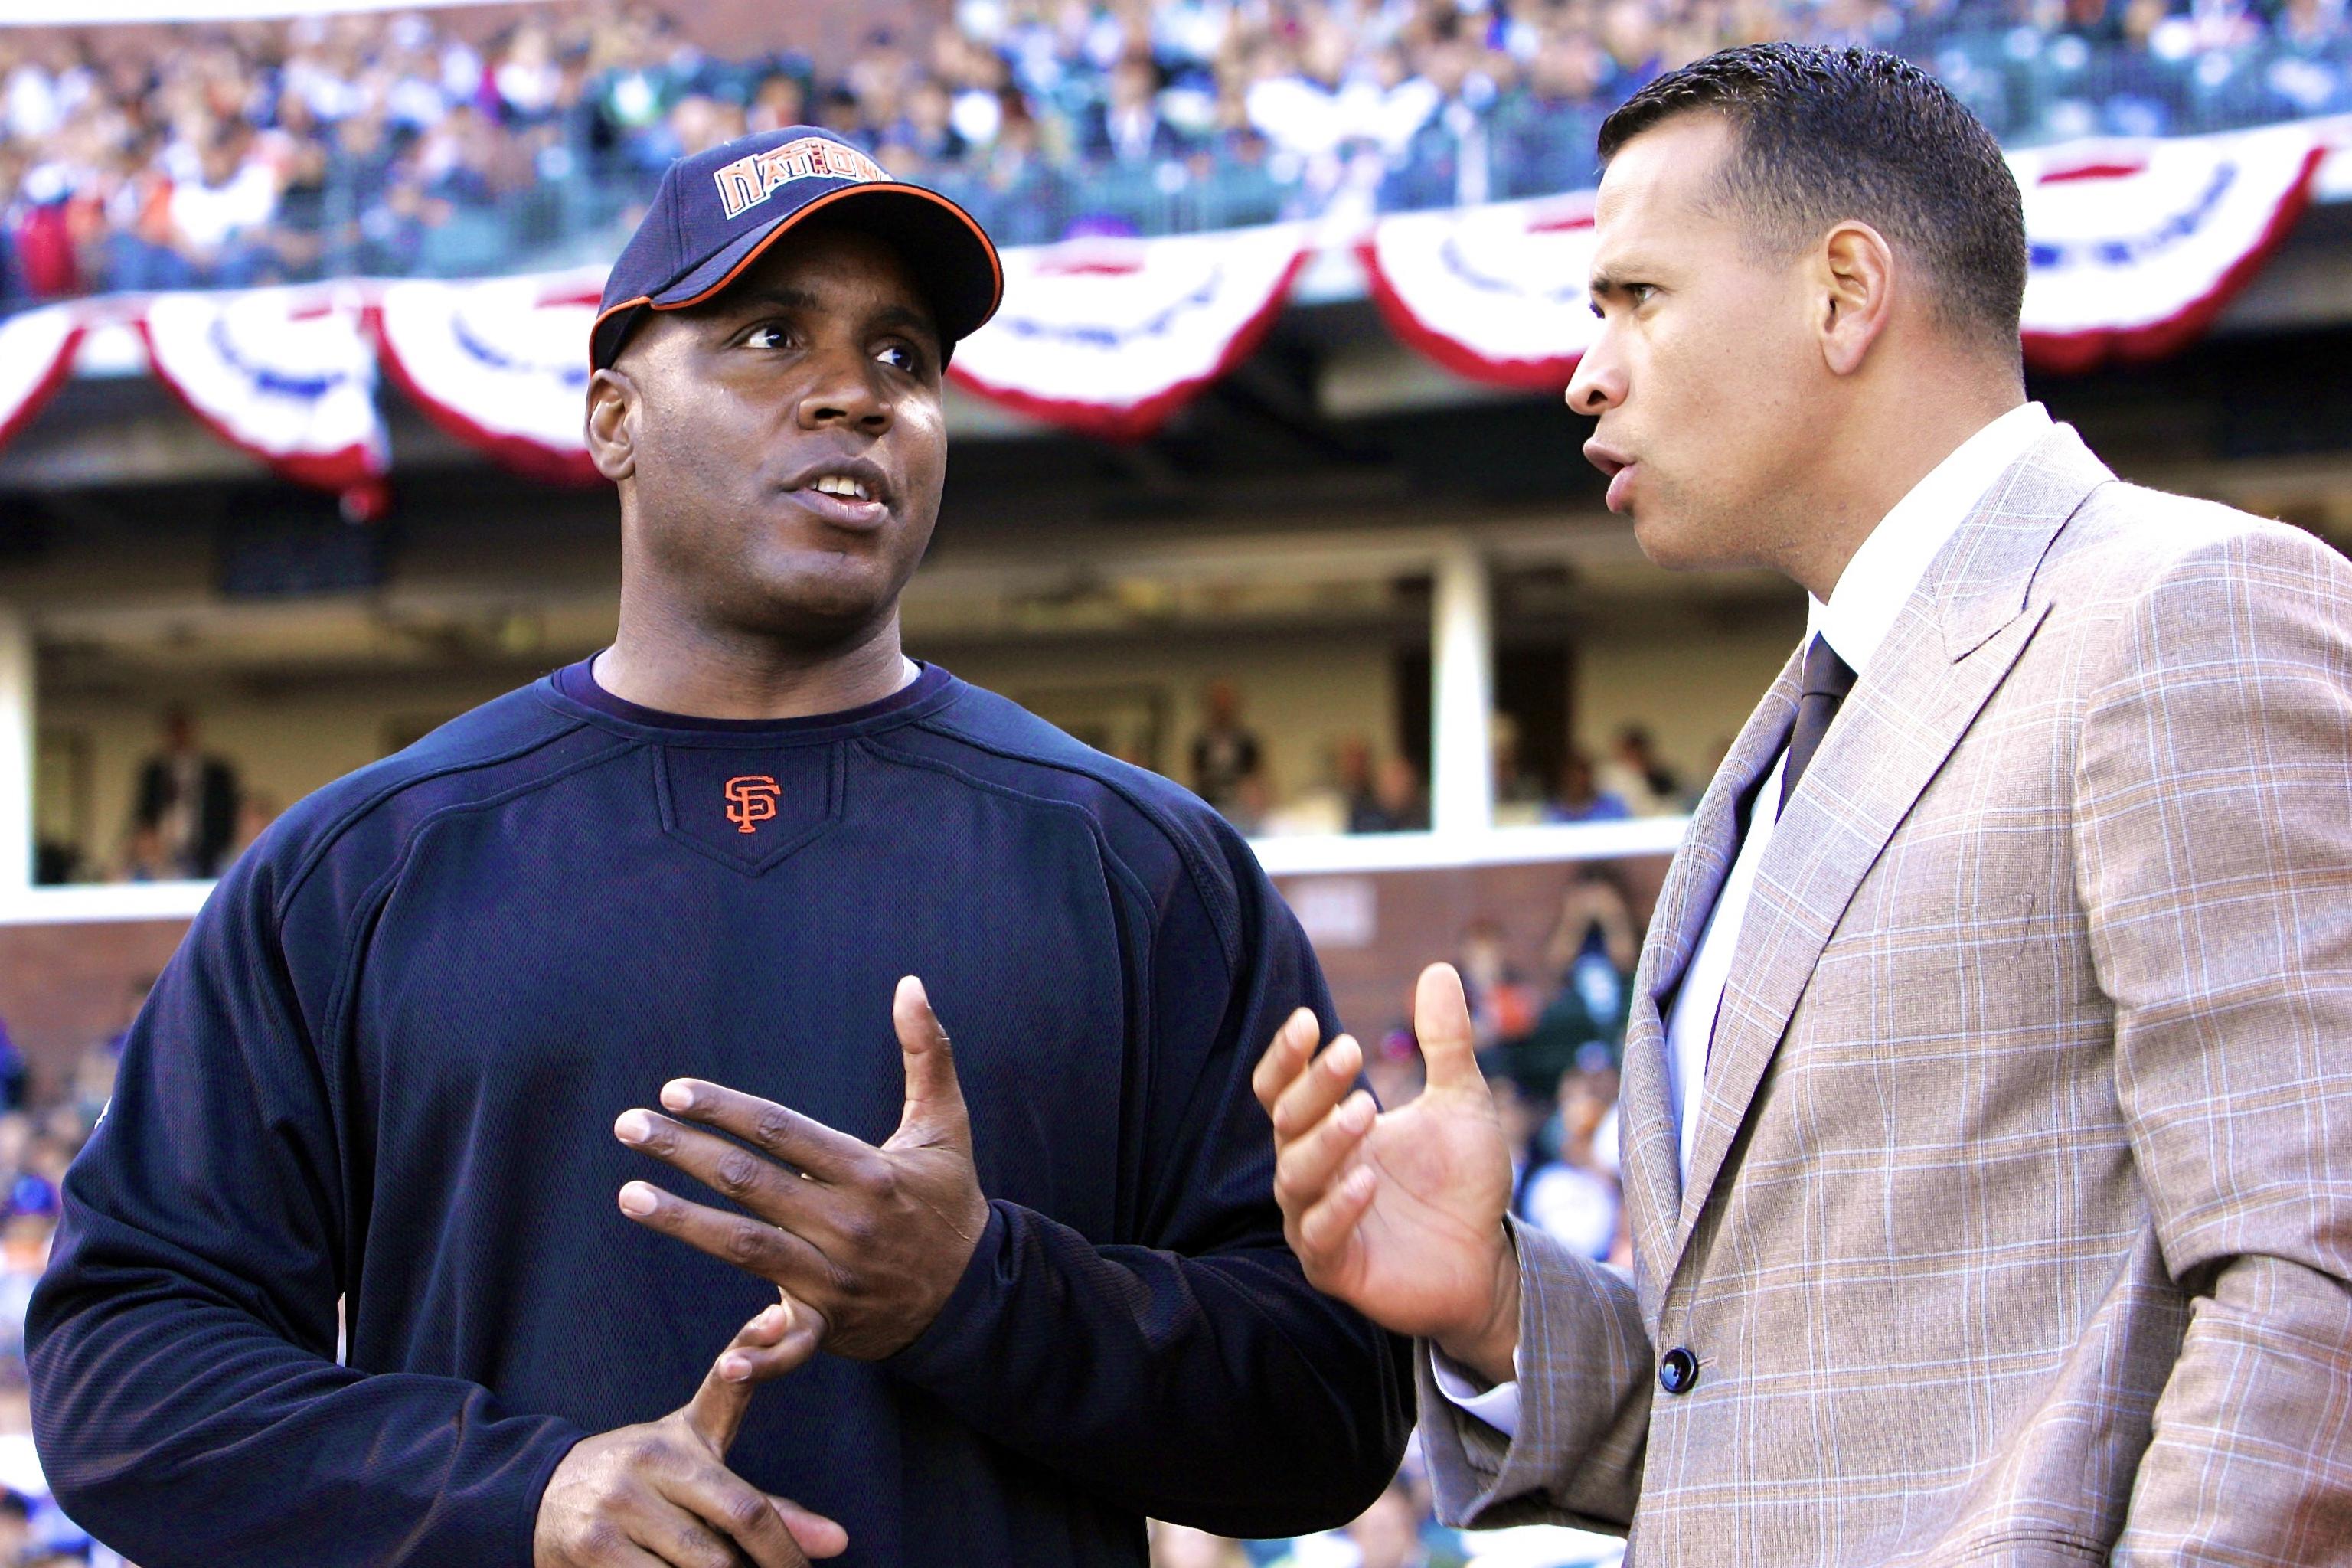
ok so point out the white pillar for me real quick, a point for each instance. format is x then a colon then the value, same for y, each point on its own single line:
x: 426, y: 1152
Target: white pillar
x: 1461, y: 696
x: 16, y: 752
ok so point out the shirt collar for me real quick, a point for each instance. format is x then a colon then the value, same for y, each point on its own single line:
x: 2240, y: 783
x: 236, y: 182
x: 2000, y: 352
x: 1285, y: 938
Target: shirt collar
x: 1871, y: 592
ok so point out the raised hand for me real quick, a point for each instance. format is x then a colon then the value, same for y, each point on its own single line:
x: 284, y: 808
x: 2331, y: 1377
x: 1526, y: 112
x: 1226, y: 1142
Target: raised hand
x: 1399, y: 1213
x: 871, y: 1240
x: 661, y: 1493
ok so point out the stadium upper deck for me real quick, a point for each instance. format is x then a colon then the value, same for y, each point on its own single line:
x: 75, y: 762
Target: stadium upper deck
x: 394, y: 145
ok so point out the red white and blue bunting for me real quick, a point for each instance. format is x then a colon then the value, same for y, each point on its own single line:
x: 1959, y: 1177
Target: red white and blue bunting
x: 286, y: 374
x: 499, y: 366
x: 1111, y: 336
x: 1494, y: 293
x: 2136, y: 246
x: 37, y: 352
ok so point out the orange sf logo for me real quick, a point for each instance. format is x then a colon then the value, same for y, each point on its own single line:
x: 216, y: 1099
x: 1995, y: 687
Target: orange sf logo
x: 750, y: 801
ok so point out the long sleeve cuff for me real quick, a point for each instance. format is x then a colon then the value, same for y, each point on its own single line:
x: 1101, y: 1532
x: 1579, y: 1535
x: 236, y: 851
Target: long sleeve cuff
x: 1498, y: 1406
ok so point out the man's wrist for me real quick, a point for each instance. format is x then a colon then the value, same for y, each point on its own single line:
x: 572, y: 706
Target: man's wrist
x: 1488, y: 1348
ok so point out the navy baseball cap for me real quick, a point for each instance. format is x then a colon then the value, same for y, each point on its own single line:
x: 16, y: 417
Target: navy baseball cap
x: 716, y: 211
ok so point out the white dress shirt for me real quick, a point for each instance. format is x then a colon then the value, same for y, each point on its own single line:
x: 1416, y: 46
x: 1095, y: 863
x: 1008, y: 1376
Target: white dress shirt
x: 1862, y: 609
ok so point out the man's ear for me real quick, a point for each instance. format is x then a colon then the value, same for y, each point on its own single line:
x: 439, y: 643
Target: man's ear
x: 612, y: 443
x: 1854, y: 277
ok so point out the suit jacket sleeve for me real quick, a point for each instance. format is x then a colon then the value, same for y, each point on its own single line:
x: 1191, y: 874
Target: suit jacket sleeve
x: 1584, y: 1405
x: 2215, y: 840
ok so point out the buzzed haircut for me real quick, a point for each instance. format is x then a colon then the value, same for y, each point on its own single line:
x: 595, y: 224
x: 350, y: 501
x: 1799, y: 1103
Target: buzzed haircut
x: 1824, y: 135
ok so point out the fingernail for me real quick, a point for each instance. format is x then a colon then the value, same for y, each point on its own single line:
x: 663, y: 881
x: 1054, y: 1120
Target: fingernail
x: 1357, y: 1114
x: 634, y: 1127
x: 636, y: 1198
x: 734, y: 1368
x: 1359, y: 1181
x: 771, y: 1320
x: 676, y: 1096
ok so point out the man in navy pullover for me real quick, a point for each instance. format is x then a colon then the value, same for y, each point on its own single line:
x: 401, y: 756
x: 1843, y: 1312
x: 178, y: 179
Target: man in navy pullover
x: 411, y: 1052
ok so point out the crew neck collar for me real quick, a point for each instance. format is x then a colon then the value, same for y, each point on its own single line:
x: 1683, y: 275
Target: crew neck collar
x: 577, y: 683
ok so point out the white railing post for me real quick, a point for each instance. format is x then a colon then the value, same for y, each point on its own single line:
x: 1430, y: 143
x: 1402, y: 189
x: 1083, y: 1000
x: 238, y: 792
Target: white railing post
x: 1462, y: 681
x: 16, y: 752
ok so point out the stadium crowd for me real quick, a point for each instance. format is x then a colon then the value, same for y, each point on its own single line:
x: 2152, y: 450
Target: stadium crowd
x: 390, y: 144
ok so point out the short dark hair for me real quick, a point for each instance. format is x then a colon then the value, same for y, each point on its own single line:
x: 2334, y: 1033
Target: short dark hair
x: 1826, y: 134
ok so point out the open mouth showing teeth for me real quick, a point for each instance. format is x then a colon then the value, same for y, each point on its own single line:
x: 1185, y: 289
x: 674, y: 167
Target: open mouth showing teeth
x: 842, y: 485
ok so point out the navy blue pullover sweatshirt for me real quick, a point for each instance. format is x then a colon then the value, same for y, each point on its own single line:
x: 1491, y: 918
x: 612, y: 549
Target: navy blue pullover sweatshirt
x: 385, y: 1063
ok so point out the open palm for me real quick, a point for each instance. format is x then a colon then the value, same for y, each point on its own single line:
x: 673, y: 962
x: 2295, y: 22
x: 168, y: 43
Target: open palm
x: 1399, y: 1215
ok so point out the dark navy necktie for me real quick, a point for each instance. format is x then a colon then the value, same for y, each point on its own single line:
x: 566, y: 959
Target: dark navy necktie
x: 1827, y: 679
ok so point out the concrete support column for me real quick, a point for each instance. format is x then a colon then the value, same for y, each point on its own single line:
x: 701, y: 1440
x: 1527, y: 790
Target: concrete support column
x: 16, y: 752
x: 1462, y: 700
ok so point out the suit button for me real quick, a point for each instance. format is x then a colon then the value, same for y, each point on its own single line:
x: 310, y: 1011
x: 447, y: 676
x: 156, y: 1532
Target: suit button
x: 1677, y: 1370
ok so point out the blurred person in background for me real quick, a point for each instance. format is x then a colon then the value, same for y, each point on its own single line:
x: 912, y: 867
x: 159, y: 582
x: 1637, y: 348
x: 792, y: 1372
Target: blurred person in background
x: 1591, y: 956
x: 1127, y: 127
x: 15, y: 1075
x: 187, y: 801
x: 1580, y: 796
x: 1396, y: 803
x: 1226, y: 752
x: 221, y: 220
x: 1518, y: 792
x: 1387, y: 1534
x: 1502, y: 1005
x: 1571, y: 1196
x: 1182, y: 1546
x: 1634, y: 775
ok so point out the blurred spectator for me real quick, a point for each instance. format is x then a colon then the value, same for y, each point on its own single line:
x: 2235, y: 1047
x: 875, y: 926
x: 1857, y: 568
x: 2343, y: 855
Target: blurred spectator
x: 1396, y: 804
x: 1182, y: 1546
x: 220, y: 220
x: 1580, y: 798
x: 1571, y: 1197
x: 145, y: 859
x: 1519, y: 799
x: 15, y: 1075
x: 1127, y: 127
x: 1591, y: 954
x: 188, y: 802
x: 1387, y: 1534
x: 1502, y: 1006
x: 1226, y: 753
x: 254, y: 813
x: 1634, y: 775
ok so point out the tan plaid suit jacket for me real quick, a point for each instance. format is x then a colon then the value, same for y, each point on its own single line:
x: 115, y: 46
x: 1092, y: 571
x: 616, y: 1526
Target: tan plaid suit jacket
x: 2019, y: 1216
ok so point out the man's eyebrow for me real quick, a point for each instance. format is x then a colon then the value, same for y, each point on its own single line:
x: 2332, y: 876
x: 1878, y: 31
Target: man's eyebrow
x: 905, y: 318
x: 775, y: 296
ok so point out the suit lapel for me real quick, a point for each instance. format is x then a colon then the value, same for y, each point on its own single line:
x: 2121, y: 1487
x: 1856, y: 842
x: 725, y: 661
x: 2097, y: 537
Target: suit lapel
x: 1959, y: 636
x: 1650, y: 1149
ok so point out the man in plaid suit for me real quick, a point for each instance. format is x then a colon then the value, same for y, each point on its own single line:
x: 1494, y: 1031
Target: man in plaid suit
x: 1988, y: 1095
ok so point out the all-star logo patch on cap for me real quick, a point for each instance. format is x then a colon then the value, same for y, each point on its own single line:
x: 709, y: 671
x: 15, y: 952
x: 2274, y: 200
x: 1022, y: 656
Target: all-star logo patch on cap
x: 716, y: 212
